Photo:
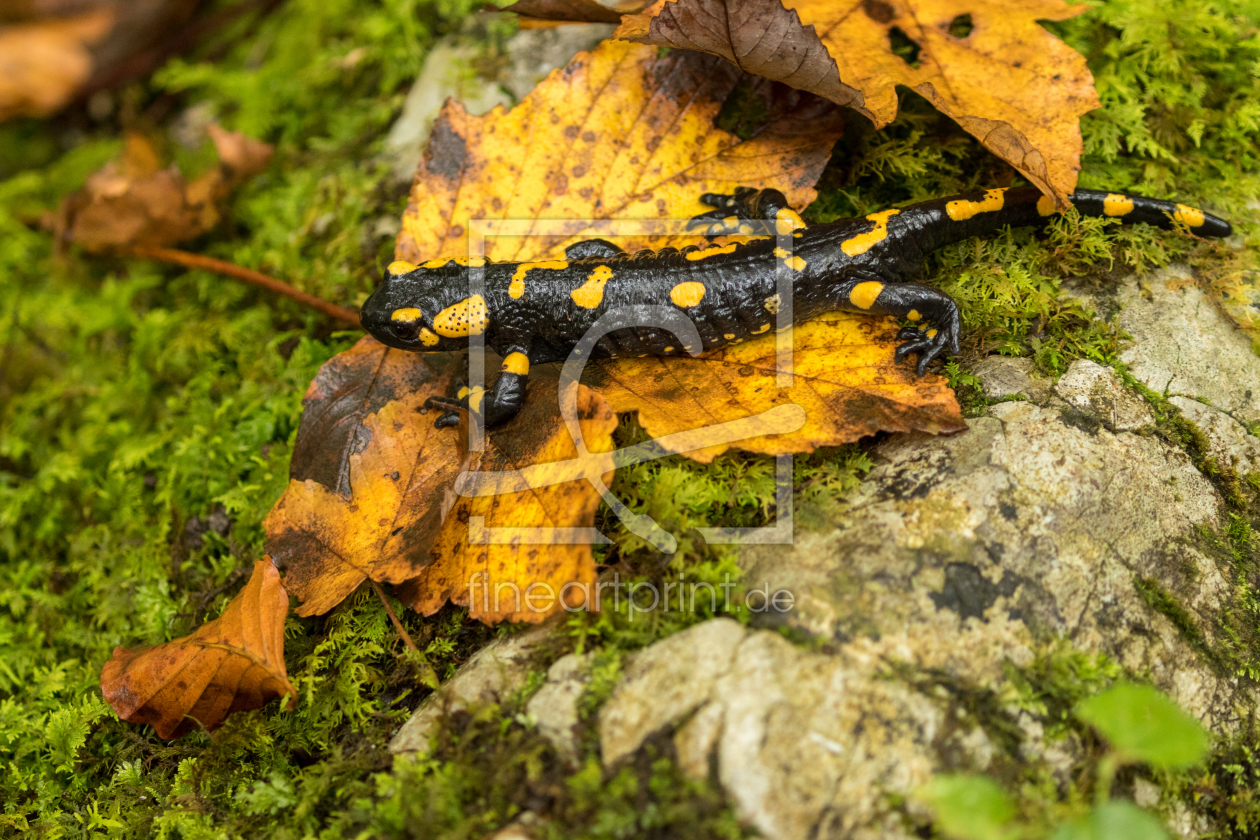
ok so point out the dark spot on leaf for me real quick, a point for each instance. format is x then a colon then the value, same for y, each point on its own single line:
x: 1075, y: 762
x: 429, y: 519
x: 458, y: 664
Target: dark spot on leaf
x: 571, y: 132
x: 447, y: 152
x: 878, y: 10
x: 588, y: 136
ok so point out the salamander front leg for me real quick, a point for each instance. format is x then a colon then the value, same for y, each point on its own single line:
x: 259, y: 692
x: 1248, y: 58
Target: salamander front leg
x: 936, y: 310
x: 748, y: 211
x: 499, y: 405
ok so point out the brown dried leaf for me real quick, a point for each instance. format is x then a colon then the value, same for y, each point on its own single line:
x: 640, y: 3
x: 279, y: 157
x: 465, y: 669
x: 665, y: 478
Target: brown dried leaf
x: 620, y: 133
x: 567, y: 11
x: 371, y: 477
x: 514, y: 575
x: 1017, y: 88
x: 133, y: 202
x: 367, y: 478
x: 44, y: 62
x: 844, y: 378
x: 52, y: 51
x: 232, y: 664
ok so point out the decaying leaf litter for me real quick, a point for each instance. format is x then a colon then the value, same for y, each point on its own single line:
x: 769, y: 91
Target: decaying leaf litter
x: 382, y: 473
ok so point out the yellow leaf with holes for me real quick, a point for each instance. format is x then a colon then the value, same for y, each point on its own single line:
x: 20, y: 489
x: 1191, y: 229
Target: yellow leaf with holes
x: 621, y: 133
x: 988, y: 64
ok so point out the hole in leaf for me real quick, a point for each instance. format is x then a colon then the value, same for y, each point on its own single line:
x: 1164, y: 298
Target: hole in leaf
x: 903, y: 46
x: 744, y: 112
x: 961, y: 26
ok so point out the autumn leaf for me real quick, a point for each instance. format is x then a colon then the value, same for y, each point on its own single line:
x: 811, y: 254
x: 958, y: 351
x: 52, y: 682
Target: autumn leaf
x: 371, y: 478
x: 987, y: 64
x: 56, y: 50
x: 368, y: 475
x: 519, y: 554
x: 567, y: 11
x: 232, y: 664
x: 620, y: 133
x: 843, y: 376
x: 136, y: 202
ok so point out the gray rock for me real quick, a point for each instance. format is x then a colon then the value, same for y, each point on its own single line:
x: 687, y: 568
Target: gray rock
x: 957, y: 558
x: 554, y: 707
x: 1232, y: 445
x: 448, y: 73
x: 1097, y: 390
x: 533, y: 53
x: 1004, y: 376
x: 1184, y: 345
x: 491, y: 676
x: 664, y: 683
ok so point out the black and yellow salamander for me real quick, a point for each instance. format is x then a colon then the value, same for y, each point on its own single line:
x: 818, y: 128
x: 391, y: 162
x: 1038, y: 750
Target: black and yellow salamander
x: 537, y: 312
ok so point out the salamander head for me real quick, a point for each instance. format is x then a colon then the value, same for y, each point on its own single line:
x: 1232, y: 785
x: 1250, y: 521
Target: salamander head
x: 418, y: 309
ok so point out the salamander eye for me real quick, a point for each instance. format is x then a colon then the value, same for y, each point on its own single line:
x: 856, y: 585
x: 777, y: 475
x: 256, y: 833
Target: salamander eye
x: 405, y: 323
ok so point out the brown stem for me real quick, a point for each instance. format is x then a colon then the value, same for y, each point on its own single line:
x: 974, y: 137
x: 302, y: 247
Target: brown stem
x: 254, y: 278
x: 398, y: 625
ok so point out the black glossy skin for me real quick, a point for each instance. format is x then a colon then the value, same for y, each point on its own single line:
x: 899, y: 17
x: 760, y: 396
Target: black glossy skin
x: 544, y: 321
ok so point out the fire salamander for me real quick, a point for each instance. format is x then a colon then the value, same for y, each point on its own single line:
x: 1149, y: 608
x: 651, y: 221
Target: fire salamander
x: 536, y: 312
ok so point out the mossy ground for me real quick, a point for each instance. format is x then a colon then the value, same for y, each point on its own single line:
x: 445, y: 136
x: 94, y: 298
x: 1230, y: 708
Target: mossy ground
x: 138, y: 399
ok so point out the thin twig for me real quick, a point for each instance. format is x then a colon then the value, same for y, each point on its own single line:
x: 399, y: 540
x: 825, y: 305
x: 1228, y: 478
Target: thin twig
x: 254, y: 278
x: 398, y: 625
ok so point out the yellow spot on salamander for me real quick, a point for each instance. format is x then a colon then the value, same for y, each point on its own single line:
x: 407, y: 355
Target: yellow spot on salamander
x: 461, y: 393
x: 475, y: 396
x: 705, y: 253
x: 669, y: 349
x: 931, y: 333
x: 591, y: 293
x: 468, y: 317
x: 687, y: 294
x: 407, y: 316
x: 1117, y: 205
x: 773, y: 303
x: 1046, y: 206
x: 401, y: 267
x: 913, y: 315
x: 731, y: 221
x: 729, y: 336
x: 746, y: 230
x: 1191, y: 216
x: 794, y: 263
x: 864, y: 242
x: 427, y: 338
x: 863, y: 295
x: 517, y: 363
x: 962, y: 209
x: 516, y: 287
x: 761, y: 329
x: 787, y: 220
x: 440, y: 262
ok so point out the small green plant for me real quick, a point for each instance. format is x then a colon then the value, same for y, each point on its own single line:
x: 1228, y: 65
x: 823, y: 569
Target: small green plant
x: 1142, y: 727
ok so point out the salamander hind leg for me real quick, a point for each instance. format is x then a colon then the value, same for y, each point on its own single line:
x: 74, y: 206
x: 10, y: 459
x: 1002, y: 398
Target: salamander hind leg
x: 935, y: 310
x: 747, y: 211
